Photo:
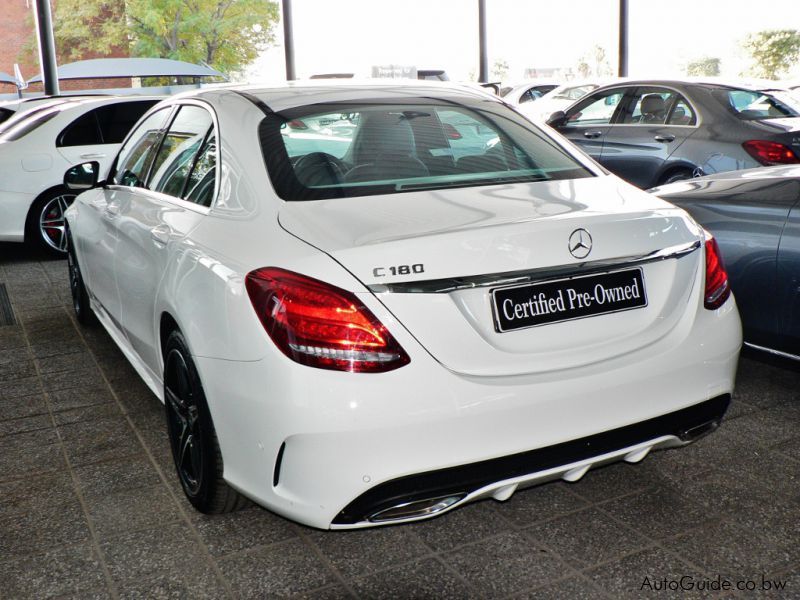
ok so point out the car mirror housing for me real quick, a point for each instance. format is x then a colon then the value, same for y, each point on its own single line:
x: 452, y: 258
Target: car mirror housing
x: 82, y: 177
x: 557, y: 119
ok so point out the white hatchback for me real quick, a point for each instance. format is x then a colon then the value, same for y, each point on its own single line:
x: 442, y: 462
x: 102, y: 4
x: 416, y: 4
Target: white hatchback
x: 38, y: 144
x: 357, y: 312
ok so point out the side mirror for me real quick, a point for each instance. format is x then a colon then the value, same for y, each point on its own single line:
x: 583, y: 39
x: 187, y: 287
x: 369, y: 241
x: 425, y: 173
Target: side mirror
x: 82, y: 177
x: 557, y: 119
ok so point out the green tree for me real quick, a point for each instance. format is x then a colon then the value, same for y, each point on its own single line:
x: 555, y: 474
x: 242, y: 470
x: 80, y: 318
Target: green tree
x: 706, y: 66
x: 774, y: 51
x: 226, y: 34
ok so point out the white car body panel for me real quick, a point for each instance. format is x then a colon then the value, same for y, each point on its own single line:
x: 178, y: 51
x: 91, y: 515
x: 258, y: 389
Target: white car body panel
x: 469, y: 394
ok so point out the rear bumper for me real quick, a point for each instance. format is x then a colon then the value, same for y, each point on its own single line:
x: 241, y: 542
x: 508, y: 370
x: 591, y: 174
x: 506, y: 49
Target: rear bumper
x: 346, y: 437
x: 569, y: 460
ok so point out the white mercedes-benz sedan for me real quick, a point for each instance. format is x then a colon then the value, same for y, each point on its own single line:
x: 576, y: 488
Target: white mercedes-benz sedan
x: 358, y: 312
x: 39, y: 143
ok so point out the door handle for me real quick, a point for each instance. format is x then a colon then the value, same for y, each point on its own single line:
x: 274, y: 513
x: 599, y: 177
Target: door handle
x: 161, y: 234
x: 592, y: 134
x: 112, y: 210
x: 93, y: 155
x: 664, y: 138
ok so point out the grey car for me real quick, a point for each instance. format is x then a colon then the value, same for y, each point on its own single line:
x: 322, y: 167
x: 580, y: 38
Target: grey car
x: 654, y: 132
x: 755, y: 217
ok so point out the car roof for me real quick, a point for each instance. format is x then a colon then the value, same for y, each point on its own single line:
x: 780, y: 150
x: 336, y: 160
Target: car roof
x: 303, y: 93
x: 707, y: 82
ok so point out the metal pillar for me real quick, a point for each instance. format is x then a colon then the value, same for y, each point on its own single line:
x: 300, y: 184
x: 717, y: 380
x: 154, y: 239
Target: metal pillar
x: 623, y: 38
x: 47, y: 47
x: 288, y: 39
x: 483, y: 59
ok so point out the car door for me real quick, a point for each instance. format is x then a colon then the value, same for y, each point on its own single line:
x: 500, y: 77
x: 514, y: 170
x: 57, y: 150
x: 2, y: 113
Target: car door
x: 97, y: 134
x: 788, y: 277
x: 99, y: 223
x: 588, y: 121
x: 157, y: 215
x: 653, y: 124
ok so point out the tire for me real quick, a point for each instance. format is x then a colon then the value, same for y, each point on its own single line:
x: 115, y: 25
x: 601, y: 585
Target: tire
x: 674, y: 176
x: 45, y: 228
x: 80, y: 296
x: 193, y: 440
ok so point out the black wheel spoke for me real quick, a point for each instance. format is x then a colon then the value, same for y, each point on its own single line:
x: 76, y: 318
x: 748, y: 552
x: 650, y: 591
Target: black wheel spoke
x: 184, y: 423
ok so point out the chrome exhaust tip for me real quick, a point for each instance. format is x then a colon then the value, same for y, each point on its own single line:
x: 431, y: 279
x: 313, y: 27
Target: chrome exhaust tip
x: 695, y: 433
x: 416, y: 509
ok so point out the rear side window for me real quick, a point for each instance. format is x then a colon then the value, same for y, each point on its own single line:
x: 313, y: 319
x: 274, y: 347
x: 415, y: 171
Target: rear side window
x: 176, y: 159
x: 116, y: 120
x: 657, y: 106
x: 750, y: 104
x: 107, y: 124
x: 83, y: 131
x: 383, y: 148
x: 136, y: 155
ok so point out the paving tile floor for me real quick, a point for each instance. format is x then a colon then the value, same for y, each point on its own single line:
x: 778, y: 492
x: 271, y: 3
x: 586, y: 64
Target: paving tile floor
x: 90, y: 506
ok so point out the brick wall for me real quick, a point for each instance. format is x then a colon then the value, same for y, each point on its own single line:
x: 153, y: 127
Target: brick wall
x: 18, y: 29
x: 16, y: 23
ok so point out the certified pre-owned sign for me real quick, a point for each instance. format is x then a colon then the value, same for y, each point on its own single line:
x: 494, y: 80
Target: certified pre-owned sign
x: 566, y: 299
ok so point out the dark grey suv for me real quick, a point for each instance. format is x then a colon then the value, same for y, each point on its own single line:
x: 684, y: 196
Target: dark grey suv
x: 655, y: 132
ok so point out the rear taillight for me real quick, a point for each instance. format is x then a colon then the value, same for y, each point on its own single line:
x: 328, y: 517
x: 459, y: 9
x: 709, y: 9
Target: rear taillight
x: 717, y: 286
x: 320, y: 325
x: 297, y: 124
x: 770, y: 153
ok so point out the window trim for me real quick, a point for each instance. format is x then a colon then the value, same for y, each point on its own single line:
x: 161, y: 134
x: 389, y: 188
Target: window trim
x: 160, y: 196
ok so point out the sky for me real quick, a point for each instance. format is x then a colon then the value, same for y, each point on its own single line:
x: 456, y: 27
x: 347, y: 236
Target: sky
x: 354, y: 35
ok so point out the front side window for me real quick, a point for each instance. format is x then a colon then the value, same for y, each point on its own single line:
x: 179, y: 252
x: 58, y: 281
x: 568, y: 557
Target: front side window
x: 382, y: 148
x: 598, y: 109
x: 136, y: 155
x: 574, y: 92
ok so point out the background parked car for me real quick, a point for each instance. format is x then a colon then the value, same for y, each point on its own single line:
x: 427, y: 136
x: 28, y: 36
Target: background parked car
x: 39, y: 145
x: 654, y: 132
x: 755, y: 217
x: 560, y: 98
x: 527, y: 91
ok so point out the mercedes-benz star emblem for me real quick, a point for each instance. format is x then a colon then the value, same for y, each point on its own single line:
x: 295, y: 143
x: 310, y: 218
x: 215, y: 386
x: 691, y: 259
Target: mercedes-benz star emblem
x: 580, y: 243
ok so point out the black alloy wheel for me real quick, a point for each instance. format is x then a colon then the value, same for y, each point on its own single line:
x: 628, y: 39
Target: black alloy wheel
x: 80, y: 296
x: 195, y: 449
x: 679, y: 175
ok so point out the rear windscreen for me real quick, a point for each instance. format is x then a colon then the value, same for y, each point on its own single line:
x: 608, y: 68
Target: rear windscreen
x: 751, y: 104
x: 342, y: 150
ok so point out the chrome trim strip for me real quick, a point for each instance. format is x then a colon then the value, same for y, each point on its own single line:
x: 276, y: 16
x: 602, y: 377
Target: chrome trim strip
x: 452, y: 284
x: 771, y: 351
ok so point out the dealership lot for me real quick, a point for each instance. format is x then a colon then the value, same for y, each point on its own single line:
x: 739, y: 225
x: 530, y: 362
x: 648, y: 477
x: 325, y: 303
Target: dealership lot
x: 91, y: 506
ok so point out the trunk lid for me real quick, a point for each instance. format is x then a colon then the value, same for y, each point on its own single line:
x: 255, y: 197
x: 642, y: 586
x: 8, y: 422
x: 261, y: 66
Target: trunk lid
x: 398, y: 244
